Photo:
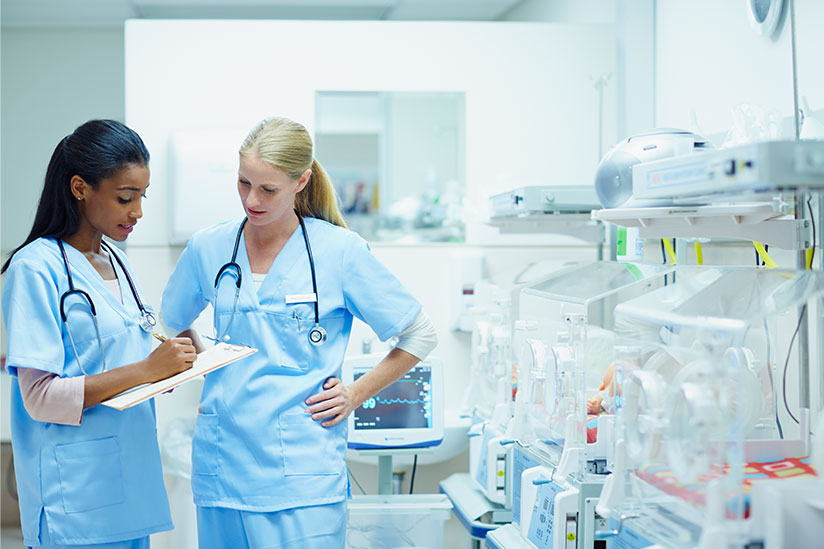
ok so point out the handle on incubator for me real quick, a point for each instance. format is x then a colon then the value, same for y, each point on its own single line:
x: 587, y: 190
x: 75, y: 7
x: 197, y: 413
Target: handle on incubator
x: 606, y: 534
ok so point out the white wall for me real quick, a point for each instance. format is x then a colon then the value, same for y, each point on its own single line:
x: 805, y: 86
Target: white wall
x: 809, y: 21
x: 709, y: 60
x: 531, y: 113
x: 634, y: 79
x: 52, y: 81
x: 632, y: 84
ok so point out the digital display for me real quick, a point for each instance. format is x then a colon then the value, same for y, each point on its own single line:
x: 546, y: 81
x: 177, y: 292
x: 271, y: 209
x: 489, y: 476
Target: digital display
x: 405, y: 404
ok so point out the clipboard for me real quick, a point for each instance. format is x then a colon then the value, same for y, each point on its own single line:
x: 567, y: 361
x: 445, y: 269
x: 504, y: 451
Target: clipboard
x: 209, y: 360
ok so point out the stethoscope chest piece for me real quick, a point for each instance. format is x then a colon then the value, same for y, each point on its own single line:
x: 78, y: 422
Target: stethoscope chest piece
x: 317, y: 336
x: 148, y: 320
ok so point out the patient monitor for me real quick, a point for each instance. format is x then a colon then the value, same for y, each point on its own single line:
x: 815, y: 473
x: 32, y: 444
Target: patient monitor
x: 409, y: 413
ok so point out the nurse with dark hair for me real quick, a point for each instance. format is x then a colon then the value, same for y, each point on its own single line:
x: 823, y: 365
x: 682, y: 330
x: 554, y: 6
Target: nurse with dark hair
x: 87, y: 475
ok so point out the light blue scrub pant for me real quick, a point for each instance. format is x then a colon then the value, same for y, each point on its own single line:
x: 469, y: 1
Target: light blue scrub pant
x: 315, y: 527
x: 46, y: 543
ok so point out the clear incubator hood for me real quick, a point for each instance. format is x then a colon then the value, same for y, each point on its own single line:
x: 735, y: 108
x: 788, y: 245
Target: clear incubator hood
x: 571, y: 347
x: 699, y: 376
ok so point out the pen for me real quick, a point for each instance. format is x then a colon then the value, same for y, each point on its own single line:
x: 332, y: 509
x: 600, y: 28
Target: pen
x: 158, y: 336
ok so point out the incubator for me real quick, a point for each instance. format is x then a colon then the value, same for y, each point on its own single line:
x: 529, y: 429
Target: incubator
x: 496, y: 343
x: 574, y: 341
x: 491, y: 381
x: 700, y: 373
x: 488, y: 398
x: 560, y: 453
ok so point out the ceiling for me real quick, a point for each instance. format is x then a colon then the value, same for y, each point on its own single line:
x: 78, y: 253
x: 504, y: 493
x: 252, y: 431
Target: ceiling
x: 112, y: 13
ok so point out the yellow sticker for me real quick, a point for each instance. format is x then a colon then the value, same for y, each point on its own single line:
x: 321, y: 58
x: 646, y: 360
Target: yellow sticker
x: 570, y: 537
x: 500, y: 473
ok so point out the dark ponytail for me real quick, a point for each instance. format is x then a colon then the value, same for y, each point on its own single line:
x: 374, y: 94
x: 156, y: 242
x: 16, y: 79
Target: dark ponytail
x: 95, y: 151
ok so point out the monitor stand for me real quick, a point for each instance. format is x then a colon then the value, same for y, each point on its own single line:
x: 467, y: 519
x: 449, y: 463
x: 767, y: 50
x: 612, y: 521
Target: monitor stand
x: 384, y: 456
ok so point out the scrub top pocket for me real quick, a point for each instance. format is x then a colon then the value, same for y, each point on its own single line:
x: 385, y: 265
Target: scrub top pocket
x: 308, y: 447
x: 297, y: 354
x: 91, y: 474
x: 206, y: 446
x: 293, y: 334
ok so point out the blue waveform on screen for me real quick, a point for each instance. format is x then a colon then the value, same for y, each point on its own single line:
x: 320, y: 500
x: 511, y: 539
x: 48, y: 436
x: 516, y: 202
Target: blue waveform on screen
x: 372, y: 402
x: 403, y: 400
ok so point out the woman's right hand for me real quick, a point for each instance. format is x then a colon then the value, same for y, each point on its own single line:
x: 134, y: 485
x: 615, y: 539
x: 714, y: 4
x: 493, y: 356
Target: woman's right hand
x: 171, y: 357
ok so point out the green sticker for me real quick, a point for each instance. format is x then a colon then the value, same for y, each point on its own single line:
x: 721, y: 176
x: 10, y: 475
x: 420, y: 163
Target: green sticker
x: 636, y: 272
x: 622, y: 241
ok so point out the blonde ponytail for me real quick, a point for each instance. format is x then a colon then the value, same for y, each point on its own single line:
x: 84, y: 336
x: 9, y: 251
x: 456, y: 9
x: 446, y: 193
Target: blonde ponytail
x: 287, y: 145
x: 318, y: 198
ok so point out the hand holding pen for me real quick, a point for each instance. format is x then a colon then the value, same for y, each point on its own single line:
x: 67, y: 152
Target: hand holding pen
x: 172, y: 356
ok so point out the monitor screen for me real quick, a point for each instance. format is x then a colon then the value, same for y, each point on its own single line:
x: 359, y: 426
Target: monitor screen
x: 405, y: 404
x: 408, y: 413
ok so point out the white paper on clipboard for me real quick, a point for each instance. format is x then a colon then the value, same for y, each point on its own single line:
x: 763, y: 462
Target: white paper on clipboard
x: 209, y: 360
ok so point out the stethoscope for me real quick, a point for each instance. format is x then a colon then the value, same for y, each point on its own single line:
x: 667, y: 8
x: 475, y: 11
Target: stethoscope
x: 147, y: 320
x: 317, y: 335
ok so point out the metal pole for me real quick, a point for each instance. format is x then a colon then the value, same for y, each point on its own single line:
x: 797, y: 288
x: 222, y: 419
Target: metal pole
x: 820, y: 312
x: 796, y: 111
x: 612, y: 232
x: 801, y: 264
x: 600, y: 87
x: 385, y: 474
x: 803, y: 339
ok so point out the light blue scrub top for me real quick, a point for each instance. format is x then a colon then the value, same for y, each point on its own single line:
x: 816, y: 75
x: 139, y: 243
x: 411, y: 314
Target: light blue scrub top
x: 101, y: 481
x: 255, y: 448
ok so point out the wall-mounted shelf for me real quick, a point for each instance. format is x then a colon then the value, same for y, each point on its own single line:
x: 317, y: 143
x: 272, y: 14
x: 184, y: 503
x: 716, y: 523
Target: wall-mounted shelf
x: 765, y: 222
x: 579, y: 225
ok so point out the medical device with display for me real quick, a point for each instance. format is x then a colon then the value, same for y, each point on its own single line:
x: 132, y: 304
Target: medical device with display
x: 751, y: 168
x: 317, y: 335
x: 147, y: 320
x: 408, y: 413
x: 613, y: 180
x: 540, y: 199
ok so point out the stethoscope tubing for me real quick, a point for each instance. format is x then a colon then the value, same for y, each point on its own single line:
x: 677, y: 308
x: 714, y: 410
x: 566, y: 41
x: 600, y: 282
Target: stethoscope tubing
x: 147, y: 318
x: 317, y: 335
x: 312, y: 268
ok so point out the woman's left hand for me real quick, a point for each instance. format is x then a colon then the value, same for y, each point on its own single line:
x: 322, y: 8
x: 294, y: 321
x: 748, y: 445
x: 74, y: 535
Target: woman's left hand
x: 336, y: 402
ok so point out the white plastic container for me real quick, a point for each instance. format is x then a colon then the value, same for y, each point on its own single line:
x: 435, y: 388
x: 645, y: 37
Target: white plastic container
x: 393, y: 521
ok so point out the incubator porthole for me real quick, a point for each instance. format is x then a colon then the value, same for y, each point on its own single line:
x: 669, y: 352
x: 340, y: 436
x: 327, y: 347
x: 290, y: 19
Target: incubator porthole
x: 745, y: 398
x: 693, y: 428
x: 643, y: 402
